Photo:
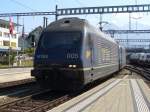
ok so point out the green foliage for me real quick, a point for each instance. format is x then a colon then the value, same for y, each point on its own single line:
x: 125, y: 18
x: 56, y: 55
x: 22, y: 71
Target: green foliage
x: 12, y: 57
x: 29, y: 51
x: 5, y: 59
x: 27, y: 63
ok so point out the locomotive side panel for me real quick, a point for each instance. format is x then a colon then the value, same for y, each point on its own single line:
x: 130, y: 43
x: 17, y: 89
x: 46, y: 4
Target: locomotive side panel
x: 108, y: 58
x: 103, y: 55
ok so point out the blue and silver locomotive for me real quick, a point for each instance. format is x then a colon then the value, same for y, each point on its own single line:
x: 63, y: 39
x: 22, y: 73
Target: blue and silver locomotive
x: 72, y: 53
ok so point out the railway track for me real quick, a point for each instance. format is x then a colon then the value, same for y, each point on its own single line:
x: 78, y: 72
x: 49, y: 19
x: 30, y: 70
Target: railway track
x: 16, y: 83
x: 38, y: 102
x: 144, y: 72
x: 147, y: 69
x: 43, y: 101
x: 14, y: 93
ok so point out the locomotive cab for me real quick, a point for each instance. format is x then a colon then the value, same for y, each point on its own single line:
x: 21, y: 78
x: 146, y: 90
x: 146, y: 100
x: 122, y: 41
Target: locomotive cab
x: 58, y: 59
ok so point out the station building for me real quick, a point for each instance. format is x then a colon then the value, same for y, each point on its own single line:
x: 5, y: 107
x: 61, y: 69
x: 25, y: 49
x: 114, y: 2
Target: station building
x: 6, y: 40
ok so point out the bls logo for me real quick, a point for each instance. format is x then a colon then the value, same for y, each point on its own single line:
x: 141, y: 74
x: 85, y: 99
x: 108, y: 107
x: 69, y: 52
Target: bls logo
x: 42, y: 56
x: 72, y: 56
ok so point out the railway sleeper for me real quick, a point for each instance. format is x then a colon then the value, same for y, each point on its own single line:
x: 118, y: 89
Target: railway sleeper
x: 20, y: 108
x: 10, y: 110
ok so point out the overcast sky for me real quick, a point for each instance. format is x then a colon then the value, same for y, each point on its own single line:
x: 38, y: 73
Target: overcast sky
x: 9, y: 6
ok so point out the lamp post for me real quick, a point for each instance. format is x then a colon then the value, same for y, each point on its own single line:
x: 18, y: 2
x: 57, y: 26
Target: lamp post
x: 11, y: 28
x: 9, y: 50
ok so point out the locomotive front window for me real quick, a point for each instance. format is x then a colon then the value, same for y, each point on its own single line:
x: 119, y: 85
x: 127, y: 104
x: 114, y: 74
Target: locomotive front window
x: 61, y: 39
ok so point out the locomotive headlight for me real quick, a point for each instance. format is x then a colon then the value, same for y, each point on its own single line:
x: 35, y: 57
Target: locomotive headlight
x: 74, y: 66
x: 70, y: 66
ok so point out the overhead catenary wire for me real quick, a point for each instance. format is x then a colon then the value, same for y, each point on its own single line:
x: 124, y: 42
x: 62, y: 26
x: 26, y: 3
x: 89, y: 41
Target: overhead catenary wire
x: 23, y: 5
x: 81, y: 4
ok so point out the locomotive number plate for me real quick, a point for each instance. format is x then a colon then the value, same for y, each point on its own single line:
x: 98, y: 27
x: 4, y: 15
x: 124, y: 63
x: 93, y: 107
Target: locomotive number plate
x: 72, y: 56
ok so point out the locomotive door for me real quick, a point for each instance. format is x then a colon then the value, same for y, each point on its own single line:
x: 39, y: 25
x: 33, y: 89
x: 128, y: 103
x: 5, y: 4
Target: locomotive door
x: 91, y: 47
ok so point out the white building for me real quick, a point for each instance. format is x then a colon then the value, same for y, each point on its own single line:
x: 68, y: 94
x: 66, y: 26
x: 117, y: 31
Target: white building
x: 6, y: 40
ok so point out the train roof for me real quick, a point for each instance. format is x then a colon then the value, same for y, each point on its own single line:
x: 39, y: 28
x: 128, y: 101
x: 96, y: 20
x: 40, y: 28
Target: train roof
x: 76, y: 24
x: 66, y: 24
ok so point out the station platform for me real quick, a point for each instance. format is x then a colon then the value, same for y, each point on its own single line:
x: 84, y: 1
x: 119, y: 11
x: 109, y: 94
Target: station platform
x: 127, y: 94
x: 14, y: 74
x: 14, y: 70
